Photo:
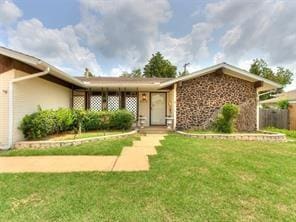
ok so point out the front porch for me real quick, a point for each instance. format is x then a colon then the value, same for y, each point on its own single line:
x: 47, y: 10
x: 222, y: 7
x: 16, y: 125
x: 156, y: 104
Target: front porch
x: 150, y: 108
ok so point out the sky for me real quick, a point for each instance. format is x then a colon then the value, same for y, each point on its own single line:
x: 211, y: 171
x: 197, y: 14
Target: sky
x: 112, y: 36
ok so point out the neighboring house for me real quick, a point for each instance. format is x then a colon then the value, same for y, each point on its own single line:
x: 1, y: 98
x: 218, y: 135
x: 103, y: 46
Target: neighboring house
x: 290, y: 96
x: 193, y: 100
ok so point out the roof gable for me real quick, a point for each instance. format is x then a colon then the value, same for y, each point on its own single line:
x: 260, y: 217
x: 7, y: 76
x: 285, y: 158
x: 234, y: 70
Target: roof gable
x: 228, y: 70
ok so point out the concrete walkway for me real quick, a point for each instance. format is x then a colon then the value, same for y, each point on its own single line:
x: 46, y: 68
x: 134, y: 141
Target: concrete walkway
x: 134, y: 158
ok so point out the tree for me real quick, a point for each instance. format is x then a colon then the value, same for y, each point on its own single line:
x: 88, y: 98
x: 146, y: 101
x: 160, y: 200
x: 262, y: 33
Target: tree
x: 159, y: 67
x: 281, y: 75
x: 136, y: 73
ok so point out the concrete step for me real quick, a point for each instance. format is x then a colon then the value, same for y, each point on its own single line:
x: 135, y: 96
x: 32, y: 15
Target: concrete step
x: 154, y: 130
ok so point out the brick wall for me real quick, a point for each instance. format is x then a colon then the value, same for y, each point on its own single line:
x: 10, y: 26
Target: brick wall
x: 199, y: 101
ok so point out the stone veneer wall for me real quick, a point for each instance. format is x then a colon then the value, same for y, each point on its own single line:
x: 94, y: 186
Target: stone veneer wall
x: 200, y: 99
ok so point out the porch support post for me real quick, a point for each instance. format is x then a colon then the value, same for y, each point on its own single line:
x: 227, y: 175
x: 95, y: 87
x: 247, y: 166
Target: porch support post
x: 257, y: 110
x: 175, y: 105
x: 72, y: 97
x: 138, y: 103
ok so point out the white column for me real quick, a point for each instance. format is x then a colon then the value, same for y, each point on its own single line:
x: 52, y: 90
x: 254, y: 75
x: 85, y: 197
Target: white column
x: 257, y: 110
x: 175, y: 105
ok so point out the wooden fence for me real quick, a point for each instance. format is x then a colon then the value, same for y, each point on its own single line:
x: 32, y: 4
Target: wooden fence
x: 278, y: 118
x: 292, y: 116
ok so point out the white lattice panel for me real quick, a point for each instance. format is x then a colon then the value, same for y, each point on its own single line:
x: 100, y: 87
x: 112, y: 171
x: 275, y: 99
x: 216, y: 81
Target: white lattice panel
x: 131, y: 104
x: 96, y: 103
x: 78, y: 102
x: 113, y: 103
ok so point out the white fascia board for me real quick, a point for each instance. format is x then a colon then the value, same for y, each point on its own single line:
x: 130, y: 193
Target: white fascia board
x: 251, y: 75
x: 225, y: 66
x: 192, y: 75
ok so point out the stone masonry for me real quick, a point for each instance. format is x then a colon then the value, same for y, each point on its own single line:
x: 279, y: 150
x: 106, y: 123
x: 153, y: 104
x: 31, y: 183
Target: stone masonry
x: 199, y: 101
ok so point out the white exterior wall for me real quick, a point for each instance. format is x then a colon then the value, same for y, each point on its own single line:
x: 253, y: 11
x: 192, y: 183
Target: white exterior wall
x: 144, y: 106
x: 31, y: 93
x: 170, y: 103
x: 4, y: 80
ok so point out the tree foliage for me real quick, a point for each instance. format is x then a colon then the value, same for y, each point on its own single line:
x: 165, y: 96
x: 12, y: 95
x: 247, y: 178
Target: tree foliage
x: 281, y: 75
x: 158, y: 66
x: 283, y: 104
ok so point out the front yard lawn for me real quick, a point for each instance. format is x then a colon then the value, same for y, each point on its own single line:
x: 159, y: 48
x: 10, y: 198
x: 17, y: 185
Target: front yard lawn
x: 189, y: 180
x: 105, y: 147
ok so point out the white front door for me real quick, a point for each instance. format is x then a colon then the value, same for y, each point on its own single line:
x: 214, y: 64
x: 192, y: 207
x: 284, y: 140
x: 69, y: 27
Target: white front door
x: 158, y: 108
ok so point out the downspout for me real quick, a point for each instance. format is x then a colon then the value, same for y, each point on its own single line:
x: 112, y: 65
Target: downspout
x: 10, y: 102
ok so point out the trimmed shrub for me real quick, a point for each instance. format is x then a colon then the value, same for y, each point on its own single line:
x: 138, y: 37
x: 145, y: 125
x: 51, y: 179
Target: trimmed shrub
x: 105, y: 117
x: 121, y: 119
x: 47, y: 122
x: 91, y: 121
x: 79, y: 117
x: 94, y: 120
x: 39, y: 124
x: 225, y: 121
x: 64, y: 120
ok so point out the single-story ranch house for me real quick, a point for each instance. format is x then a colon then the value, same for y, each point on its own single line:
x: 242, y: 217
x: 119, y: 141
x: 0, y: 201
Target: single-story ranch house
x: 193, y: 101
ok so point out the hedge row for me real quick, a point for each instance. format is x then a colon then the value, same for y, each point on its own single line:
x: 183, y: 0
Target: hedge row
x: 48, y: 122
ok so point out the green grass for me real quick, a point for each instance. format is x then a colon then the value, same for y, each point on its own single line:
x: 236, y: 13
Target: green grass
x: 291, y: 134
x: 106, y: 147
x: 72, y: 136
x: 189, y: 180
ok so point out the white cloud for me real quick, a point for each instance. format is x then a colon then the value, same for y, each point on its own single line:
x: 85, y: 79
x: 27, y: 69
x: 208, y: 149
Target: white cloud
x: 9, y: 12
x: 59, y: 47
x: 268, y: 26
x: 219, y: 57
x: 129, y: 31
x: 253, y: 29
x: 124, y: 29
x: 245, y: 63
x: 231, y: 37
x: 117, y: 71
x: 193, y: 67
x: 191, y: 48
